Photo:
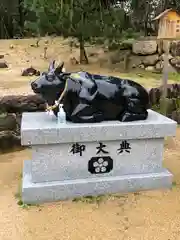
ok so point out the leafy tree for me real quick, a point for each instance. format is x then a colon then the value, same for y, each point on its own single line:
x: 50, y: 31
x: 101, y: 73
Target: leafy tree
x: 170, y: 4
x: 142, y: 12
x: 82, y: 19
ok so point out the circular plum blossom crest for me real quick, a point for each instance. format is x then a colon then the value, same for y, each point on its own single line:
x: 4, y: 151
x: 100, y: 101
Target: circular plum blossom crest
x: 100, y: 165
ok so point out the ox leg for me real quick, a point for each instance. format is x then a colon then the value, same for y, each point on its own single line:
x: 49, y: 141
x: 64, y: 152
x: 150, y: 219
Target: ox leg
x: 85, y: 113
x: 134, y: 111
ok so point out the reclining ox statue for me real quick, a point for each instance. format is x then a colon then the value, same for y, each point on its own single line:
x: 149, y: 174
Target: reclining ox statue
x: 89, y: 98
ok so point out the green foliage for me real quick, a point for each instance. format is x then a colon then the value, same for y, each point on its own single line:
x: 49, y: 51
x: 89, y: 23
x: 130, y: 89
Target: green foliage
x: 131, y: 34
x: 87, y: 18
x: 74, y: 17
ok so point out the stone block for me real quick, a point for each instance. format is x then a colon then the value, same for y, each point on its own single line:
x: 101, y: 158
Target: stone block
x: 74, y: 160
x: 40, y: 129
x: 57, y: 162
x: 34, y: 193
x: 144, y: 47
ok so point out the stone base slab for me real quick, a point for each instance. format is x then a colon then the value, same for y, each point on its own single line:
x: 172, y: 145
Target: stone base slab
x: 37, y: 128
x: 33, y: 193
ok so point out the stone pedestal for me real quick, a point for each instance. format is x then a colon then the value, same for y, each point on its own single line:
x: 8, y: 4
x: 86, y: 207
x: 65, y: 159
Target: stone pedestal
x: 74, y: 160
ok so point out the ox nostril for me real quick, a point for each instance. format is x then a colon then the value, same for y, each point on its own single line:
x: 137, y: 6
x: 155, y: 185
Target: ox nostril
x: 34, y: 85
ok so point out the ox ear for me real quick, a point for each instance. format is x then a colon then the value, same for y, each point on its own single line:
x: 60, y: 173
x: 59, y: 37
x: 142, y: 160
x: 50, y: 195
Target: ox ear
x: 60, y: 69
x: 52, y: 65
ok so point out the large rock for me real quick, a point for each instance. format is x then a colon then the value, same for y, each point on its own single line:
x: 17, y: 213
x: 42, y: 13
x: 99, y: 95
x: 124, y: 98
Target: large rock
x: 3, y: 64
x: 8, y: 140
x: 11, y: 109
x: 8, y: 122
x: 111, y: 59
x: 118, y: 56
x: 30, y: 72
x: 150, y: 60
x: 135, y: 61
x: 144, y: 47
x: 19, y: 104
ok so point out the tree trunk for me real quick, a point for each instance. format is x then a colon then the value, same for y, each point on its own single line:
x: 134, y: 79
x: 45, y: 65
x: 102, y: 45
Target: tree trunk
x: 146, y: 20
x: 146, y: 28
x: 21, y: 14
x: 83, y: 55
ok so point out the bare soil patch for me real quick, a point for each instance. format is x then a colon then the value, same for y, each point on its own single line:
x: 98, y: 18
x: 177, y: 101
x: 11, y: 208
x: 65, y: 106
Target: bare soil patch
x: 19, y: 55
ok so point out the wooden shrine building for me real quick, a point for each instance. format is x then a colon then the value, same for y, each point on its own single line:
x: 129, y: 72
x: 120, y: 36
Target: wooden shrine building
x: 169, y: 24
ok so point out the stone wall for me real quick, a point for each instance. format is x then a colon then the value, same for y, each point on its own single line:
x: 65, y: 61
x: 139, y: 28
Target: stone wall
x: 140, y: 54
x: 11, y: 108
x: 151, y: 55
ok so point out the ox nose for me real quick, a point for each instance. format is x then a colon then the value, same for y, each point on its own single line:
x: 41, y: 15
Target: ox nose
x: 34, y: 86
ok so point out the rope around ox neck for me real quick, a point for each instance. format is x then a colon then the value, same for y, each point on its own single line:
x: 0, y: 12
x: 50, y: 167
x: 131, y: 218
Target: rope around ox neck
x: 50, y: 108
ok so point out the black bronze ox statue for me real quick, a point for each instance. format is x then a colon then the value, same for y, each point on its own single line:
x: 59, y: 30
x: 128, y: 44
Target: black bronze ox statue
x: 90, y: 98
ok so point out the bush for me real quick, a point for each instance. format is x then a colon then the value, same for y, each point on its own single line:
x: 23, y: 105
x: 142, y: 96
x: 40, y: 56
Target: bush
x: 130, y: 33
